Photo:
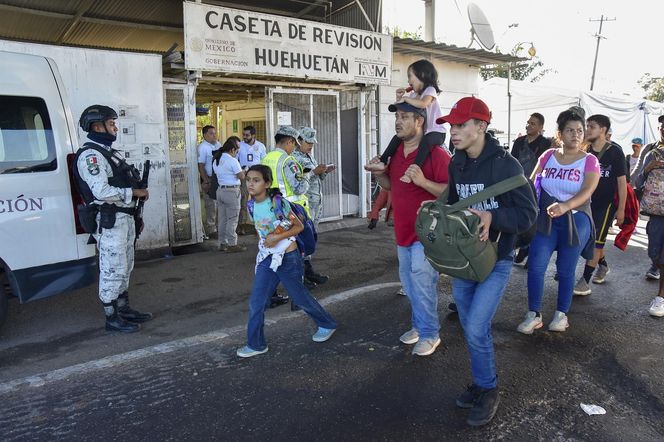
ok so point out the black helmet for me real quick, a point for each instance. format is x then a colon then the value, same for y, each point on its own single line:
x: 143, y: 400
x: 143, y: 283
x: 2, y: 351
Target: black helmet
x: 96, y: 113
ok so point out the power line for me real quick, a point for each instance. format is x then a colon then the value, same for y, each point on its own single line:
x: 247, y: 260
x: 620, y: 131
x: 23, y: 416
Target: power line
x: 599, y: 37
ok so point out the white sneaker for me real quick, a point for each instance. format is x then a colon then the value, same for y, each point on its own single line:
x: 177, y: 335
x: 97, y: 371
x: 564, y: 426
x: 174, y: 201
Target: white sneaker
x: 410, y: 337
x: 657, y: 307
x: 559, y: 323
x: 530, y: 324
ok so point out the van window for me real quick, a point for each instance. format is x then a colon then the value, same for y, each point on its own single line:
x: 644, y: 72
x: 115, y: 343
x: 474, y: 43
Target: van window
x: 26, y: 137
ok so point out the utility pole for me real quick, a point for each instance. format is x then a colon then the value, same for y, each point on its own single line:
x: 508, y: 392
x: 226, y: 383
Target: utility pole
x: 599, y: 38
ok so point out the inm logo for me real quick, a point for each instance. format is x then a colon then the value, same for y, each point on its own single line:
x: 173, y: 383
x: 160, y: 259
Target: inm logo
x: 372, y: 70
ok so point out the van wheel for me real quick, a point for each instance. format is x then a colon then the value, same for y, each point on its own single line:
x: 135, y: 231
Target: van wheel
x: 4, y: 296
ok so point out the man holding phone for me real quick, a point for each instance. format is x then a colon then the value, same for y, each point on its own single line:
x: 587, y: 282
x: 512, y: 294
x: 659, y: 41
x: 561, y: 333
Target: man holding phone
x: 316, y: 173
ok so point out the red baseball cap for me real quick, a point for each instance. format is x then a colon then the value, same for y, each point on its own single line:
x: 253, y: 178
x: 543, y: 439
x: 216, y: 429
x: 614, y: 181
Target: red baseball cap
x: 466, y: 109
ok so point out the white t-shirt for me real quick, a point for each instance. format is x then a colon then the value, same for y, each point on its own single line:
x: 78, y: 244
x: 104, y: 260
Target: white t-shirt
x: 205, y: 155
x: 227, y: 170
x: 251, y: 154
x: 433, y: 110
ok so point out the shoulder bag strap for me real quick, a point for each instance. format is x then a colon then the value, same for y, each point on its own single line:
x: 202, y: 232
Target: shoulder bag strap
x: 603, y: 151
x: 491, y: 191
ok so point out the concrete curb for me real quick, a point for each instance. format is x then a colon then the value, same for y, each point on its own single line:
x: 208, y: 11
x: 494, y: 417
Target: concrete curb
x: 39, y: 380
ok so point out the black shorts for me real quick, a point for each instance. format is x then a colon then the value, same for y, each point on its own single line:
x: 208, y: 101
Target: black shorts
x: 603, y: 217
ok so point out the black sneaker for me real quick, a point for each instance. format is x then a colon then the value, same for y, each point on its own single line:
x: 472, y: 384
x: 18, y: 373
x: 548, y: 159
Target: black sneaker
x: 520, y: 259
x: 372, y: 224
x: 484, y: 408
x: 116, y: 324
x: 453, y: 307
x: 317, y: 278
x: 278, y: 300
x: 309, y: 284
x: 467, y: 398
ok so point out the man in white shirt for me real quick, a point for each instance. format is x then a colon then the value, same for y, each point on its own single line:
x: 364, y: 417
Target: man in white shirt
x: 205, y: 149
x: 251, y: 152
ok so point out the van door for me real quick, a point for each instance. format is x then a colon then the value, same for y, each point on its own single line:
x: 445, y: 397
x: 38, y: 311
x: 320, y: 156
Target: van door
x: 37, y: 226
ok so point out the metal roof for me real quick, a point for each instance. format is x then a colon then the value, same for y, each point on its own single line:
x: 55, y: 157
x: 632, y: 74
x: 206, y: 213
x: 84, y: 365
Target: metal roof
x: 138, y: 25
x: 473, y: 57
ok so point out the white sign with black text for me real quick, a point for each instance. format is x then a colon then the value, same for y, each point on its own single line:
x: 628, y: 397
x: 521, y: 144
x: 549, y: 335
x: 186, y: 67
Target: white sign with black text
x: 233, y: 40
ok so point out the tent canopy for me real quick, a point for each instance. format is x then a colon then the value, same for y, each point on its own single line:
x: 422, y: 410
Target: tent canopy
x: 630, y: 117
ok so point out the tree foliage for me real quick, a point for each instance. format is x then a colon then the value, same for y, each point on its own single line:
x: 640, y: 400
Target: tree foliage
x: 654, y: 87
x: 401, y: 33
x: 532, y: 70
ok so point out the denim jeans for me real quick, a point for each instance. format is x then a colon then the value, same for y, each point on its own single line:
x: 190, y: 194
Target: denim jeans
x: 477, y: 303
x: 290, y: 274
x: 419, y: 281
x: 541, y: 249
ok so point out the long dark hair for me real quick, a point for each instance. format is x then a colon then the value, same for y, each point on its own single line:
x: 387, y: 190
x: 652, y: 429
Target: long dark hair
x: 230, y: 144
x: 426, y: 72
x: 266, y: 173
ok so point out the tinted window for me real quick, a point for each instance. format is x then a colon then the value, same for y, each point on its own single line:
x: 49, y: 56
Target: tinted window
x: 26, y: 138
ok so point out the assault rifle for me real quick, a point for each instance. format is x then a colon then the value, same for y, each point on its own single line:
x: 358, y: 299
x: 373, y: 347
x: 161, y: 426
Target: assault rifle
x: 142, y: 184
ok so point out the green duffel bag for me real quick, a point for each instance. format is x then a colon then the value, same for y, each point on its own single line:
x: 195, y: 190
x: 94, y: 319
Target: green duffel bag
x: 450, y: 233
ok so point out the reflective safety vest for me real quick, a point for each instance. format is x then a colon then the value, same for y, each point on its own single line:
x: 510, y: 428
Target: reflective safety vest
x: 276, y: 161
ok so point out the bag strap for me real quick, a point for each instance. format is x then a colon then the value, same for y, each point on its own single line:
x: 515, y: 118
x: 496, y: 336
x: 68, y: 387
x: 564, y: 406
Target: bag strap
x: 603, y: 151
x: 491, y: 191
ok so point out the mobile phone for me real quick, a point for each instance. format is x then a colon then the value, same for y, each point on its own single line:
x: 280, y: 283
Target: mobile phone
x: 330, y: 165
x: 306, y: 170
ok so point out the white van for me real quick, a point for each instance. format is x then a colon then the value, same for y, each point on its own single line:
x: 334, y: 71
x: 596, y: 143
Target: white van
x: 43, y: 249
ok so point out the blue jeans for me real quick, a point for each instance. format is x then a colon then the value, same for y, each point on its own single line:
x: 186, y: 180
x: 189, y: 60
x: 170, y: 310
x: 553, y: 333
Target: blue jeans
x: 477, y: 303
x: 290, y: 273
x: 541, y: 249
x: 419, y: 281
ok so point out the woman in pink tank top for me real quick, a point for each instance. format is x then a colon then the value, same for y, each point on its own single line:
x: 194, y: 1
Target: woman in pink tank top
x: 565, y: 179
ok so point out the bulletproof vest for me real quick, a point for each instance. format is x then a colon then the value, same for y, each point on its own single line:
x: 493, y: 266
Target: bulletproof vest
x: 124, y: 175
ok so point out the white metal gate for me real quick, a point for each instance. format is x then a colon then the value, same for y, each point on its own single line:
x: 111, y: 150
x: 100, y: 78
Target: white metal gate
x: 184, y: 213
x: 320, y: 110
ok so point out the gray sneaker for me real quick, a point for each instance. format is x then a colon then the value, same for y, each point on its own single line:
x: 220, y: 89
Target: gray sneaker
x: 600, y: 274
x: 652, y: 273
x: 582, y: 288
x: 410, y: 337
x: 425, y: 347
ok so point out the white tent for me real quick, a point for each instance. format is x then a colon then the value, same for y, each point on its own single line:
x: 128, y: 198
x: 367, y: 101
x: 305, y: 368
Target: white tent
x: 630, y: 117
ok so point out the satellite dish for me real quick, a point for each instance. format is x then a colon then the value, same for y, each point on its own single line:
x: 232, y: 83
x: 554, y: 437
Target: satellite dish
x: 480, y: 30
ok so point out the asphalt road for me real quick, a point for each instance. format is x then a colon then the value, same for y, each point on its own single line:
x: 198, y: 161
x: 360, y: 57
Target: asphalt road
x: 363, y: 384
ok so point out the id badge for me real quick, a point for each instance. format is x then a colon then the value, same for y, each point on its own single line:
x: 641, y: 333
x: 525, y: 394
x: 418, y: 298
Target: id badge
x: 250, y: 157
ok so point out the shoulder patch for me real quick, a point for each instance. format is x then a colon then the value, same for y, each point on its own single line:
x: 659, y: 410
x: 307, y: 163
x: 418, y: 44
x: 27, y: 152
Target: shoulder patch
x: 92, y: 164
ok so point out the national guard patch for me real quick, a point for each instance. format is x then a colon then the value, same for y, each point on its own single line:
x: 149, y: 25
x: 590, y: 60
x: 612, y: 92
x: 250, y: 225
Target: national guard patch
x: 93, y: 166
x: 296, y: 170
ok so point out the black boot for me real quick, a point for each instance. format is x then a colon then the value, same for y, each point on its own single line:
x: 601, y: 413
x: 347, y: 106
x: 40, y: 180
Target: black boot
x: 129, y: 314
x: 485, y: 406
x: 114, y: 322
x: 311, y: 275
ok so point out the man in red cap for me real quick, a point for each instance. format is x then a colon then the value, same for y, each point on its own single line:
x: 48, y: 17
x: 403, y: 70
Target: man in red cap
x: 479, y: 162
x: 418, y: 277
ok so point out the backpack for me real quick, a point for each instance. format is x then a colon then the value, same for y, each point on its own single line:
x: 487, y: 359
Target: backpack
x: 307, y: 239
x: 450, y: 234
x: 652, y: 201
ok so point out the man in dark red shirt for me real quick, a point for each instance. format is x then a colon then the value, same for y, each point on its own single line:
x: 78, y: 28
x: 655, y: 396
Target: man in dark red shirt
x: 418, y: 277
